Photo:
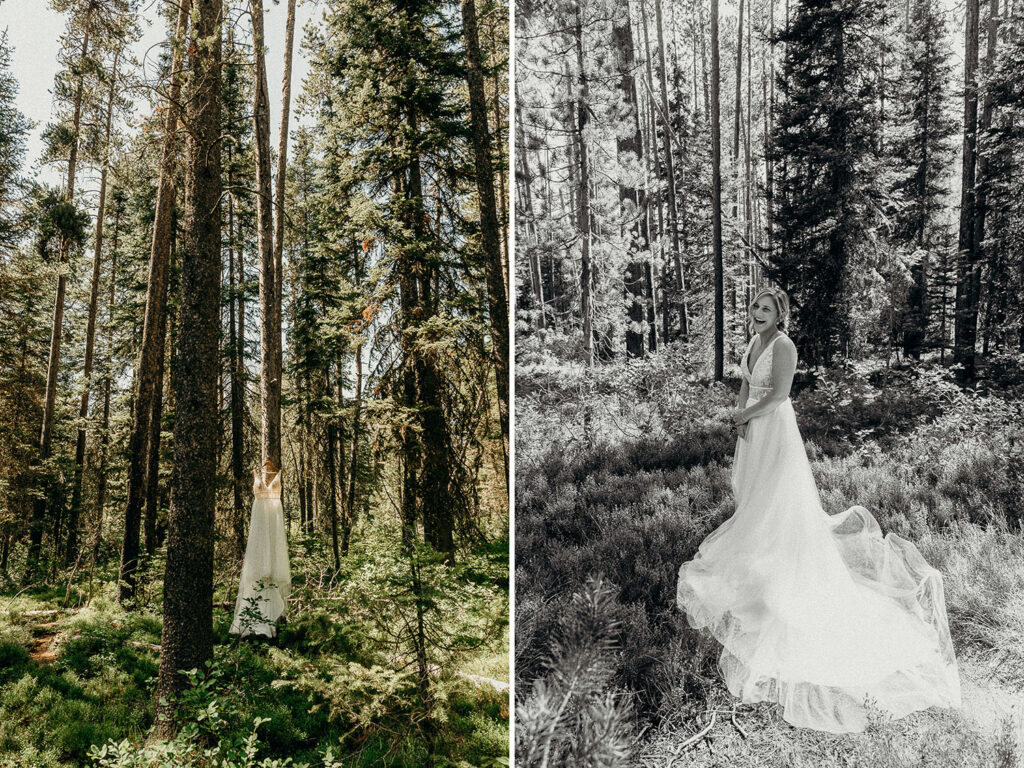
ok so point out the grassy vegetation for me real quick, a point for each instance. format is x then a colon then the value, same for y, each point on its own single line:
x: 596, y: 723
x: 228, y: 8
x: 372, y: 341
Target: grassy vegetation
x: 609, y: 672
x: 335, y: 689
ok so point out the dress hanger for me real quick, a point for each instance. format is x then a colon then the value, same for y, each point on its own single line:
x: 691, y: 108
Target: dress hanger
x: 270, y: 466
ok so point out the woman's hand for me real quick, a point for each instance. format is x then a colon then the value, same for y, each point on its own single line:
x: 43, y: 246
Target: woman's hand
x: 741, y: 430
x: 739, y: 417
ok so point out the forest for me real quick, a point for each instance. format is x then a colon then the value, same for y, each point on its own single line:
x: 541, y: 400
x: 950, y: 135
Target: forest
x: 673, y: 157
x: 192, y: 304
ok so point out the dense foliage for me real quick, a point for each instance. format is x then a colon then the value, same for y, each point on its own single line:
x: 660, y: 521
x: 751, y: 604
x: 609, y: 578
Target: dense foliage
x: 394, y: 435
x: 837, y: 176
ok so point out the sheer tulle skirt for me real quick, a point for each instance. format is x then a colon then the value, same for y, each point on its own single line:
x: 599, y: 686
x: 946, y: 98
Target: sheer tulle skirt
x: 266, y: 577
x: 819, y: 614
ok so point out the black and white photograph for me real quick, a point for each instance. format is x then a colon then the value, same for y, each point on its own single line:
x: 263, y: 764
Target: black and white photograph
x: 769, y: 370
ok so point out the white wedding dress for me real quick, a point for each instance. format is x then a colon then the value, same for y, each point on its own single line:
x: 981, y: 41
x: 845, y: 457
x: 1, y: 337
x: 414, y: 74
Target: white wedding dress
x: 817, y: 613
x: 266, y: 563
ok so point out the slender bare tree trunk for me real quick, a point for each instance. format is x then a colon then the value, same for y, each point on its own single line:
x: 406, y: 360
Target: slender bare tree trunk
x: 332, y: 473
x: 981, y: 183
x: 353, y: 458
x: 583, y: 196
x: 769, y: 125
x: 270, y: 298
x: 237, y: 517
x: 90, y: 331
x: 101, y: 485
x: 152, y: 486
x: 155, y: 323
x: 632, y: 200
x: 716, y: 197
x: 968, y: 263
x: 736, y: 173
x: 279, y: 204
x: 56, y: 333
x: 666, y: 148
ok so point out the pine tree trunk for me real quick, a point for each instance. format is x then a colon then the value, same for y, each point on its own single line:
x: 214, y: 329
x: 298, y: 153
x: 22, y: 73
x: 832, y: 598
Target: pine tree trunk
x: 279, y: 198
x: 431, y: 484
x: 187, y: 640
x: 965, y: 331
x: 101, y: 489
x: 632, y: 200
x: 237, y: 471
x: 500, y: 147
x: 40, y: 504
x: 528, y: 234
x: 330, y: 459
x: 408, y: 305
x: 670, y: 173
x: 982, y: 181
x: 71, y: 551
x: 735, y: 314
x: 651, y: 170
x: 716, y: 198
x: 154, y: 325
x: 149, y: 534
x: 152, y: 485
x: 497, y: 298
x: 917, y: 296
x: 350, y: 504
x: 583, y: 196
x: 769, y: 126
x: 301, y: 479
x: 270, y: 298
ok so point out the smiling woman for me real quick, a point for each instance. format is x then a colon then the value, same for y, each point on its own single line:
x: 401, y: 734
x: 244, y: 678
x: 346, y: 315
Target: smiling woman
x: 817, y: 613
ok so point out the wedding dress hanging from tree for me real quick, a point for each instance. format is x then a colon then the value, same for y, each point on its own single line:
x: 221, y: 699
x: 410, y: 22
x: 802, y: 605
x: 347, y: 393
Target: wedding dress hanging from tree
x: 266, y: 577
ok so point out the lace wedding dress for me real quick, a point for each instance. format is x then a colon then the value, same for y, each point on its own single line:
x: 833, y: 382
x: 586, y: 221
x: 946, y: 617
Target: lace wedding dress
x: 817, y: 613
x: 266, y: 578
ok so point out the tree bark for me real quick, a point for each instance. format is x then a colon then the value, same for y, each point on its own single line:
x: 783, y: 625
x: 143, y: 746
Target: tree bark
x: 716, y: 197
x: 150, y: 533
x: 101, y: 489
x: 56, y: 333
x: 583, y: 196
x: 237, y: 394
x: 187, y: 639
x: 71, y: 551
x: 981, y: 182
x: 155, y: 323
x: 968, y: 263
x: 489, y: 231
x: 353, y: 458
x: 270, y: 298
x: 332, y: 466
x: 666, y: 148
x: 632, y: 199
x: 279, y: 199
x: 431, y: 486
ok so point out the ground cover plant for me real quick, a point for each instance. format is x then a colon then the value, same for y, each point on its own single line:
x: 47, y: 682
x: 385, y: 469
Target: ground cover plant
x: 609, y: 673
x: 336, y: 688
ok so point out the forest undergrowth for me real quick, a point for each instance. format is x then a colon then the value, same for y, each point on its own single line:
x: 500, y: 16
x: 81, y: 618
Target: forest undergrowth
x: 623, y: 470
x: 338, y: 687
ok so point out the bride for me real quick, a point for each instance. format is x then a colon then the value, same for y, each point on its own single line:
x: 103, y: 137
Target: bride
x: 818, y: 613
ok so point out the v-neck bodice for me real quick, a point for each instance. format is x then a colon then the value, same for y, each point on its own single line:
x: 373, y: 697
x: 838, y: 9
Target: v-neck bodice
x: 760, y: 376
x: 264, y: 490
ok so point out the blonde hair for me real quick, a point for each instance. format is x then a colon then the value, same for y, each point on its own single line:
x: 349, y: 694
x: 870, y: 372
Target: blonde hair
x: 781, y: 306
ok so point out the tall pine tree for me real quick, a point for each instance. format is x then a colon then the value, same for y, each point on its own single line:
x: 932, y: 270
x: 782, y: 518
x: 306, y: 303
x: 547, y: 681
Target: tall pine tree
x: 826, y: 128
